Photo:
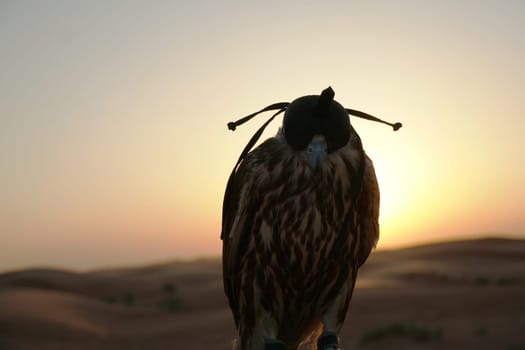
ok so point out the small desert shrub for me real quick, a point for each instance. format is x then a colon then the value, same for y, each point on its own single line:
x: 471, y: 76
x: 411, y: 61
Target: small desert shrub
x: 482, y: 281
x: 419, y: 333
x: 110, y: 299
x: 515, y: 347
x: 128, y: 299
x: 502, y: 281
x: 508, y: 281
x: 168, y: 288
x: 171, y: 301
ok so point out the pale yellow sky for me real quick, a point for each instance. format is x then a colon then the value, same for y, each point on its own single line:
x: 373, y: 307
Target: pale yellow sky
x: 114, y: 146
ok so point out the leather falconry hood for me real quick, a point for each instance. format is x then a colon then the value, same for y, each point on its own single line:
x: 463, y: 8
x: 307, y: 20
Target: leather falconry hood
x: 316, y: 115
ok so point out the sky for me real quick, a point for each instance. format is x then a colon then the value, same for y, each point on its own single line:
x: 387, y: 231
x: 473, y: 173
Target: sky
x: 114, y: 149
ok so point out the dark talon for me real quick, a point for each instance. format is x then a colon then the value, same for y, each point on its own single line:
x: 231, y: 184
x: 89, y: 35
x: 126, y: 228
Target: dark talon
x: 274, y: 345
x: 327, y: 340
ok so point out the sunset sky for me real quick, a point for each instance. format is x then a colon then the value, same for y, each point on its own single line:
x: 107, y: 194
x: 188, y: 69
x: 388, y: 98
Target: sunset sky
x: 113, y: 141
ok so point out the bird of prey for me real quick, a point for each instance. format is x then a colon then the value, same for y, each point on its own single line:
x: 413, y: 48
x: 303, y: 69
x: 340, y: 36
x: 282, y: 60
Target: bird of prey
x: 300, y: 216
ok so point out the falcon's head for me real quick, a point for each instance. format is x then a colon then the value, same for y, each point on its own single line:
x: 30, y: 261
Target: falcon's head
x: 316, y: 125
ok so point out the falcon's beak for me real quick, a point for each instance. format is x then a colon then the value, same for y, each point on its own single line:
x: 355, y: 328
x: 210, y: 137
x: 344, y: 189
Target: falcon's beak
x: 316, y: 152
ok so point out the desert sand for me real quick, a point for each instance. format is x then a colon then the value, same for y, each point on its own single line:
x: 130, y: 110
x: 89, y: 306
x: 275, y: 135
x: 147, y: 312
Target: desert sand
x: 456, y: 295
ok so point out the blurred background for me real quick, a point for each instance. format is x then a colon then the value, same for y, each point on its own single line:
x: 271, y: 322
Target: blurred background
x: 114, y: 146
x: 114, y: 156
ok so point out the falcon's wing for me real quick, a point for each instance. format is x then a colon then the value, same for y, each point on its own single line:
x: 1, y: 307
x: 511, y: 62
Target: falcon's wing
x: 239, y: 207
x: 368, y: 212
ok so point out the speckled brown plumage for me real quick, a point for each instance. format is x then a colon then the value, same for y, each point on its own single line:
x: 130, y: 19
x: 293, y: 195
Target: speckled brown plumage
x: 280, y: 222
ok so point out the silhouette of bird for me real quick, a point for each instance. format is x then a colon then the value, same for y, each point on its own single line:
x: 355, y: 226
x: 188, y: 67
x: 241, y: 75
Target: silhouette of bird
x: 300, y: 216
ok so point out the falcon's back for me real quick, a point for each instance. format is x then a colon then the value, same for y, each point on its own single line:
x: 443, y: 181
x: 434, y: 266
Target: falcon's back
x: 294, y: 238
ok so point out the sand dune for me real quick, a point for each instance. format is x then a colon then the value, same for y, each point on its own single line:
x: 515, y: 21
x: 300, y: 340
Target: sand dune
x: 457, y: 295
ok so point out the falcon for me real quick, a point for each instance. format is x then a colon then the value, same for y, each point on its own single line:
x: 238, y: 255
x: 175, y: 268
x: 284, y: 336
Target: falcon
x: 300, y: 217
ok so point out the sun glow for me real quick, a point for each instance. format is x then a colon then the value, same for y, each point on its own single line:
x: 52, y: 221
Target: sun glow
x: 114, y: 135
